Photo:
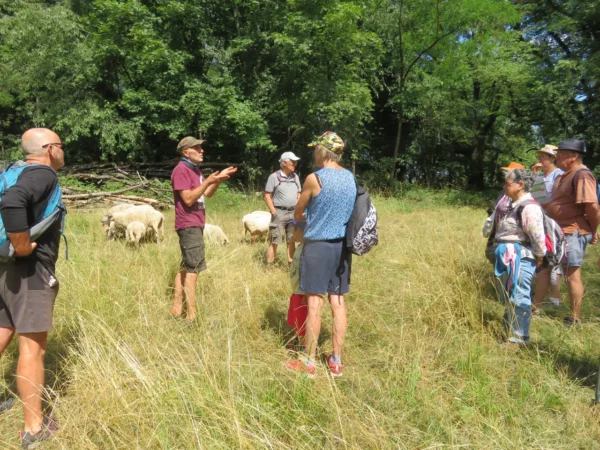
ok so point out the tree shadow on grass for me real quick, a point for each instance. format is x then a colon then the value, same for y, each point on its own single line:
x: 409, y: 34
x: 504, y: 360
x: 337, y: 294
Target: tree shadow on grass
x: 579, y: 368
x: 275, y: 319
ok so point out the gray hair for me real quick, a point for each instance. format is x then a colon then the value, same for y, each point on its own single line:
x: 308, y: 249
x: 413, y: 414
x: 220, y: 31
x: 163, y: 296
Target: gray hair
x: 522, y: 175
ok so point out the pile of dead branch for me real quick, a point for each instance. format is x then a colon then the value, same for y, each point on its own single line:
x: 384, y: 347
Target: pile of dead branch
x: 146, y: 180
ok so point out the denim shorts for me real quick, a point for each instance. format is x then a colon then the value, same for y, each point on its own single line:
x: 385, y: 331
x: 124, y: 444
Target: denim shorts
x: 576, y: 245
x: 325, y: 267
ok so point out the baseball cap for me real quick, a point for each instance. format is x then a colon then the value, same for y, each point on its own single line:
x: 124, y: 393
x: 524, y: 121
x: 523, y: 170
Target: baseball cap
x: 187, y: 142
x: 548, y: 149
x: 331, y: 141
x: 513, y: 165
x: 573, y: 145
x: 288, y: 156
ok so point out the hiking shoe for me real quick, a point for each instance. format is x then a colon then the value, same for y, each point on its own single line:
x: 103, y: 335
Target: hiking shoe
x: 334, y: 368
x: 296, y: 365
x: 6, y: 404
x: 49, y: 429
x: 570, y: 322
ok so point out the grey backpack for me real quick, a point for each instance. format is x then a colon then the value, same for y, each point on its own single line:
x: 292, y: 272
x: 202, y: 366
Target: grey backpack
x: 361, y: 231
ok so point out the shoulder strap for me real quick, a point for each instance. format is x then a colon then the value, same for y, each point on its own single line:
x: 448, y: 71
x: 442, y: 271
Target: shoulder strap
x: 522, y: 206
x: 583, y: 169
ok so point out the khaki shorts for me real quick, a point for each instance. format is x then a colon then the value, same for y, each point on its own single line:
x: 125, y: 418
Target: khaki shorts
x: 280, y: 225
x: 27, y: 294
x: 191, y: 242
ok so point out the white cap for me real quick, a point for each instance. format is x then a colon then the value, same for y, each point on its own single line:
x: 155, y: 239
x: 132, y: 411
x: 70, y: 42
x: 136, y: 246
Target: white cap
x: 287, y: 156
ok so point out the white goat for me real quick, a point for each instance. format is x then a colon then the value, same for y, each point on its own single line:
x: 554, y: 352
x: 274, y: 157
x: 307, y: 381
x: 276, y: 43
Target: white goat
x: 215, y: 235
x: 105, y: 220
x: 257, y: 223
x: 151, y: 218
x: 135, y: 232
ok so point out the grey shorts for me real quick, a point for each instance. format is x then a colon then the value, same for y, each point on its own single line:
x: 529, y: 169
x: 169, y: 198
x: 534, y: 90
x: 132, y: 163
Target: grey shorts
x: 325, y: 267
x: 191, y: 242
x: 27, y: 294
x: 576, y: 245
x: 281, y: 225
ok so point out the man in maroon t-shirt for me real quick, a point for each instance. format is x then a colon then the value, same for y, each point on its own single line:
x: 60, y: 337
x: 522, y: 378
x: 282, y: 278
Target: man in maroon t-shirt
x: 189, y: 189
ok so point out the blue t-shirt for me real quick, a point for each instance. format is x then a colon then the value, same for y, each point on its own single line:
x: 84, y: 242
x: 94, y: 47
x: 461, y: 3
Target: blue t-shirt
x: 329, y: 212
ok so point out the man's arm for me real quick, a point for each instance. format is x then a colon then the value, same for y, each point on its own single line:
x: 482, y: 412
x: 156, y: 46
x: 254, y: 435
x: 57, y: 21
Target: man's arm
x: 21, y: 243
x: 33, y: 187
x: 208, y: 188
x: 310, y: 189
x: 223, y: 175
x: 269, y: 201
x: 592, y: 212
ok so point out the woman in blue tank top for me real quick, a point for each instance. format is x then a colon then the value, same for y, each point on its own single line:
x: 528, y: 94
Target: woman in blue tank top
x: 328, y: 197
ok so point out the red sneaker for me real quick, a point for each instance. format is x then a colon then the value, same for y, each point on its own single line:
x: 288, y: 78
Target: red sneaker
x: 296, y: 365
x: 334, y: 368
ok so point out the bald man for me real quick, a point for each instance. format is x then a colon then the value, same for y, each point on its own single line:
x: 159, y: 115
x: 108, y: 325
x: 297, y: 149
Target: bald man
x: 28, y: 286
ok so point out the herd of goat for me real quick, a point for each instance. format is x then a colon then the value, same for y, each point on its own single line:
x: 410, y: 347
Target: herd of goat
x: 143, y: 223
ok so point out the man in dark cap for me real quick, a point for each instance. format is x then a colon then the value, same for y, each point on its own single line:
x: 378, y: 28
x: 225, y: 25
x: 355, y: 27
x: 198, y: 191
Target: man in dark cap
x: 189, y: 190
x: 574, y: 206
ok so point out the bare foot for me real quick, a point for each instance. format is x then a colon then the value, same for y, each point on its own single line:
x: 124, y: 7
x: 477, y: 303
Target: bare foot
x: 177, y: 310
x: 191, y: 316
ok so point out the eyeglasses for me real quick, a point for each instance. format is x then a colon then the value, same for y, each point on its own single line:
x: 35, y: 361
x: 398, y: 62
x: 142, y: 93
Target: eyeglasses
x: 56, y: 144
x: 509, y: 181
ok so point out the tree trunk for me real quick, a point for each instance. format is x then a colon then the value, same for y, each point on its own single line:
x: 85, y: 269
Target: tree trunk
x: 397, y: 146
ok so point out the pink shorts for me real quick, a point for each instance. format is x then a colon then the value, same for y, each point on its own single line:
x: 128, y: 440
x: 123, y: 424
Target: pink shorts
x: 297, y: 313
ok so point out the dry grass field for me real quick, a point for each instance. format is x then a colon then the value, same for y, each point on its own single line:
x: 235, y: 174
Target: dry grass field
x: 423, y: 368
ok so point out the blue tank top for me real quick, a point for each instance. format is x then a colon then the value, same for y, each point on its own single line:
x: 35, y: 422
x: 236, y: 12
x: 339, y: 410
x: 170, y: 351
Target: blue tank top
x: 329, y: 212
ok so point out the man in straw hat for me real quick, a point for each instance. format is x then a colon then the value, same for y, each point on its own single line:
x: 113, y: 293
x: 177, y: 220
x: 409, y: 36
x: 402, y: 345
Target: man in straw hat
x: 574, y: 206
x: 546, y: 175
x: 189, y: 190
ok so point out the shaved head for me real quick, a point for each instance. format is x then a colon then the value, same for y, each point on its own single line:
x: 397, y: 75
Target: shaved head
x: 34, y: 138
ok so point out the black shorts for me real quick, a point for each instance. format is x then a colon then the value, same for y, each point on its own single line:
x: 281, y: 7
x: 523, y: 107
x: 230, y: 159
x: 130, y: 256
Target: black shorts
x: 191, y: 242
x: 27, y: 294
x: 325, y: 267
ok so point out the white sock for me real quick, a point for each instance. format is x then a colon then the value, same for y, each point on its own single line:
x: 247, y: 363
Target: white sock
x: 555, y: 301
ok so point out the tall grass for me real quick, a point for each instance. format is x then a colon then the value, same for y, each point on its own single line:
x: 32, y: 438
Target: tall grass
x: 423, y: 368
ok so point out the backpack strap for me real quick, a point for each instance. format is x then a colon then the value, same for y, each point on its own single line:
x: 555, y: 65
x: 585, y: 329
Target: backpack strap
x: 319, y: 180
x: 583, y: 169
x: 520, y: 209
x: 280, y: 180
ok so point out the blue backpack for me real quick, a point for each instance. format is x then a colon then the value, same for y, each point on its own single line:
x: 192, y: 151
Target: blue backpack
x: 55, y: 210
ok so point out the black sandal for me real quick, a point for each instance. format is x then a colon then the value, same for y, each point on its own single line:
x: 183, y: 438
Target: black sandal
x: 570, y: 322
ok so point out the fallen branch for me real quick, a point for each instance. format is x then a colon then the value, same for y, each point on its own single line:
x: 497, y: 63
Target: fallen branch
x: 101, y: 194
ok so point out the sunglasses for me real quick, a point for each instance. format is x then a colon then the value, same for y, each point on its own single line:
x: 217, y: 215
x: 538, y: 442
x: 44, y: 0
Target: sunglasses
x: 56, y: 144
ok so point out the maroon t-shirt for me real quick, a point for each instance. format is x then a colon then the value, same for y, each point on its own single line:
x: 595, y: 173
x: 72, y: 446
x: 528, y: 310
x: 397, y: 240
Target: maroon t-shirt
x: 185, y: 178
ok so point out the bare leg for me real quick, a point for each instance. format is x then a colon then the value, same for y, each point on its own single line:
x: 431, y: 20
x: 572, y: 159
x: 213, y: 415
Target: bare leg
x: 340, y: 322
x: 190, y: 295
x: 291, y: 248
x: 177, y: 307
x: 575, y: 286
x: 6, y: 336
x: 313, y: 324
x: 271, y: 252
x: 542, y: 282
x: 30, y: 377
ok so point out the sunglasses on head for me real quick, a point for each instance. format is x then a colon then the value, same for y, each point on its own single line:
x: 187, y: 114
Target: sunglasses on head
x: 56, y: 144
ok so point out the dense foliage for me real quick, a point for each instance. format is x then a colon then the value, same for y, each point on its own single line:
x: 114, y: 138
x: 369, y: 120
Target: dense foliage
x: 438, y: 92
